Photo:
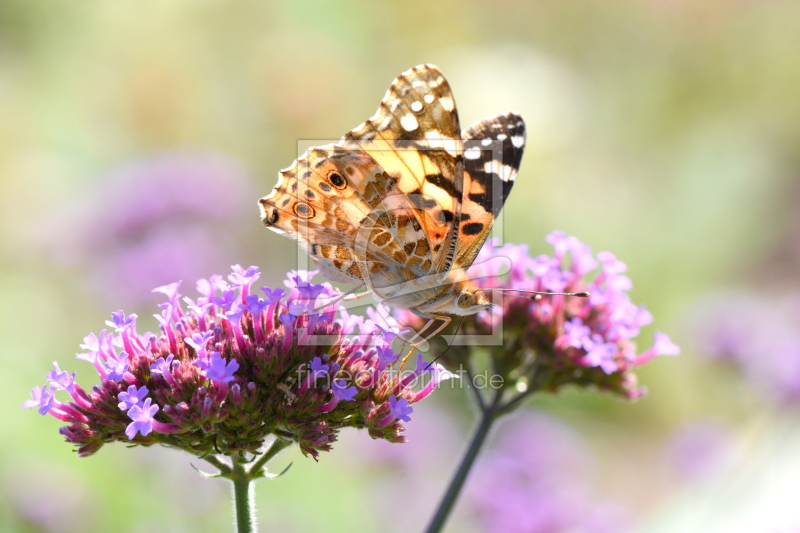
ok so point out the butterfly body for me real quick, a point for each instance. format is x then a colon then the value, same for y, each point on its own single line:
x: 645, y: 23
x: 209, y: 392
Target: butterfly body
x: 403, y: 203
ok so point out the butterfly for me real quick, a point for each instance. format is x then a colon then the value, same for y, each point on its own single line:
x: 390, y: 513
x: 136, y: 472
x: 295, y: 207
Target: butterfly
x: 403, y: 203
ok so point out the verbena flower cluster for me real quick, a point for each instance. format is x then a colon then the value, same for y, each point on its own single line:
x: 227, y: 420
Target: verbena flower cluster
x: 232, y: 367
x: 559, y: 340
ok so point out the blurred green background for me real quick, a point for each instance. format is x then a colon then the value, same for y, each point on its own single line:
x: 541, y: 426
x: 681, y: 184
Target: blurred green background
x: 664, y: 131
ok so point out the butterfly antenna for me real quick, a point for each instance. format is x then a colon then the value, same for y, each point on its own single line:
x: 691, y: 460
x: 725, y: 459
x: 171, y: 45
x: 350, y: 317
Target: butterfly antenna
x: 449, y: 345
x: 537, y: 295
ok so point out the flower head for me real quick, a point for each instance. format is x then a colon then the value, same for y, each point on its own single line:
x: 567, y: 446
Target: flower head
x: 230, y: 369
x: 559, y: 340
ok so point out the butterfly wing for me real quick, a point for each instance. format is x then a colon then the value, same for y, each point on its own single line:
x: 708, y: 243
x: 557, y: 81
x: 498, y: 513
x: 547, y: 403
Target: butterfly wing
x: 492, y: 153
x: 324, y: 211
x: 415, y: 138
x: 393, y: 195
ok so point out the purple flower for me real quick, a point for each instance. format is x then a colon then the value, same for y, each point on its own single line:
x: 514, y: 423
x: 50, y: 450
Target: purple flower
x: 318, y: 370
x: 300, y: 308
x: 244, y: 278
x: 576, y: 334
x: 342, y: 392
x: 273, y: 296
x: 131, y: 397
x: 400, y: 408
x: 387, y: 357
x: 309, y: 291
x: 257, y: 380
x: 217, y: 369
x: 208, y: 287
x: 170, y: 290
x: 117, y: 366
x: 226, y: 301
x: 93, y: 344
x: 43, y: 399
x: 662, y: 345
x: 161, y: 366
x: 600, y: 354
x: 295, y: 277
x: 438, y: 375
x: 287, y: 319
x: 198, y: 341
x: 61, y: 380
x: 253, y: 304
x: 120, y: 322
x: 142, y: 417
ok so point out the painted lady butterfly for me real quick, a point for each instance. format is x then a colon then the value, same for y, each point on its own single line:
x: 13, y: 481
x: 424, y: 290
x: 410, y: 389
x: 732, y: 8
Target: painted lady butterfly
x: 403, y: 203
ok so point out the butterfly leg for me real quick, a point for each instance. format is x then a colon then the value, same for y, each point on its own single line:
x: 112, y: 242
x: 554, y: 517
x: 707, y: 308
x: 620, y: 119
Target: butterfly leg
x: 423, y: 336
x: 347, y: 296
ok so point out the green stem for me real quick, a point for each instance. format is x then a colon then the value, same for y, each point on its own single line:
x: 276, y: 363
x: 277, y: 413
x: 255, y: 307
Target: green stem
x: 223, y: 467
x: 488, y: 416
x: 243, y: 500
x: 242, y: 478
x: 277, y: 445
x: 514, y: 402
x: 478, y: 397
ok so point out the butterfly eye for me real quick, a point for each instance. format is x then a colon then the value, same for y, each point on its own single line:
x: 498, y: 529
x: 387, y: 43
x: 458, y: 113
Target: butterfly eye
x: 337, y: 180
x: 464, y: 300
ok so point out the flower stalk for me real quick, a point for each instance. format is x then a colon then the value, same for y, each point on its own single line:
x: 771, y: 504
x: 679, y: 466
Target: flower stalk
x: 488, y: 414
x: 244, y: 508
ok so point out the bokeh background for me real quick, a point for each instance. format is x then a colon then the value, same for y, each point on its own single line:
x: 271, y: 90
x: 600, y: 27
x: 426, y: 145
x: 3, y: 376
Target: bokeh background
x: 136, y: 137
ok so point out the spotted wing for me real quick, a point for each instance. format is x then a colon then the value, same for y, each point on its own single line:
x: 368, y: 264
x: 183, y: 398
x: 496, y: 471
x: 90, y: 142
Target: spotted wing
x: 492, y: 153
x: 415, y: 138
x: 322, y: 201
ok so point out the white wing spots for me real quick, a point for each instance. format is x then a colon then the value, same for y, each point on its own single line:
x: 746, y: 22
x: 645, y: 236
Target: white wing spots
x: 491, y: 167
x: 472, y: 153
x: 435, y: 83
x: 447, y: 144
x: 416, y: 107
x: 504, y: 172
x: 518, y: 141
x: 486, y: 142
x: 502, y: 137
x: 391, y: 103
x: 447, y: 103
x: 385, y: 122
x: 409, y: 123
x: 428, y: 98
